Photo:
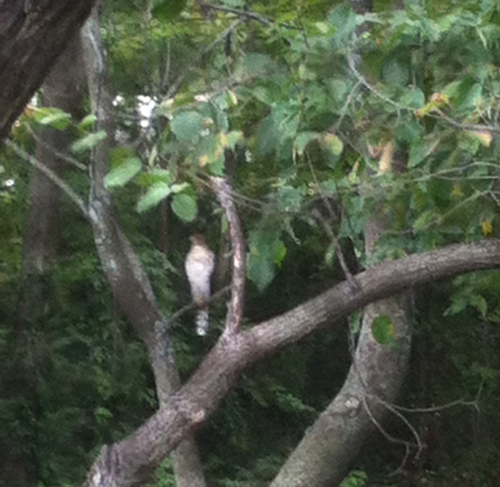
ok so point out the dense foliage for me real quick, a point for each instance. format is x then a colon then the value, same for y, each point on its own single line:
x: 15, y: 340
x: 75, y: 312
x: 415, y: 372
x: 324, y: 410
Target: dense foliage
x: 311, y: 103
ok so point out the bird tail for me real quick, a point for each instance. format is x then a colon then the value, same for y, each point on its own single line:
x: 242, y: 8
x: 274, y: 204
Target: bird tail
x: 202, y: 322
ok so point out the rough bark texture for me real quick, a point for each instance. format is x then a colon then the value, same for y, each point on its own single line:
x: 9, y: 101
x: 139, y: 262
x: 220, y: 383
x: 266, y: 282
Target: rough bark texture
x: 131, y: 461
x: 129, y: 284
x: 325, y: 454
x: 32, y: 36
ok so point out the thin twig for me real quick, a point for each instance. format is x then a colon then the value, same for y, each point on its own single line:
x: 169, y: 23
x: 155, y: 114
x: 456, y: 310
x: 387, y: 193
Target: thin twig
x: 434, y: 409
x: 241, y: 13
x: 245, y: 201
x: 60, y: 155
x: 177, y: 84
x: 234, y: 316
x: 440, y: 115
x: 346, y: 105
x: 215, y: 297
x: 352, y: 66
x: 338, y: 251
x: 51, y: 175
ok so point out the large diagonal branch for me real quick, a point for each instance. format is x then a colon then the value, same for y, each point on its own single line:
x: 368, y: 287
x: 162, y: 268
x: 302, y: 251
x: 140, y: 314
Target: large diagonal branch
x: 132, y: 461
x: 32, y: 36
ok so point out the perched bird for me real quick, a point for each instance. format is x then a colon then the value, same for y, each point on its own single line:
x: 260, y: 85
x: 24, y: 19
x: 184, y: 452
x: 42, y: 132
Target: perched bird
x: 199, y: 265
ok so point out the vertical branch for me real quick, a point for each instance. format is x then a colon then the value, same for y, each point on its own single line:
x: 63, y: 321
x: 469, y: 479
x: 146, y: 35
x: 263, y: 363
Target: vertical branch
x: 234, y: 317
x: 128, y: 281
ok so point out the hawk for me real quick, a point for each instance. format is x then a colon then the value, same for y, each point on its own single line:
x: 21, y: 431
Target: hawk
x: 199, y: 265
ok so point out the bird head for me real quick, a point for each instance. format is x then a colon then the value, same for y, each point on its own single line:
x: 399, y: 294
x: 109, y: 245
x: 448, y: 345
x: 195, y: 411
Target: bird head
x: 198, y: 239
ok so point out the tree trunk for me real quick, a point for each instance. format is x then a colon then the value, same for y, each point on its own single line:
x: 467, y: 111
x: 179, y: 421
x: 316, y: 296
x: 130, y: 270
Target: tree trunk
x: 324, y: 456
x: 32, y: 36
x: 129, y: 284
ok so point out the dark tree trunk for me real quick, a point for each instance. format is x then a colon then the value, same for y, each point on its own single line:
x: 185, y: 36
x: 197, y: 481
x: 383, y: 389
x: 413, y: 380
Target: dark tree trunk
x: 32, y: 36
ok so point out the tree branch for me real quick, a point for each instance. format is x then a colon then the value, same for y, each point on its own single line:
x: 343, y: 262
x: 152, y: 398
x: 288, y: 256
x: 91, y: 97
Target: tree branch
x: 65, y: 187
x: 127, y: 279
x: 129, y: 462
x: 235, y: 313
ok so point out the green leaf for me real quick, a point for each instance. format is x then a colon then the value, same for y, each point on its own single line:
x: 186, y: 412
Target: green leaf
x: 122, y: 174
x: 185, y: 207
x: 154, y: 195
x: 302, y: 139
x: 187, y: 126
x: 154, y: 176
x: 417, y: 153
x: 260, y: 271
x: 210, y: 153
x: 88, y: 122
x: 267, y: 252
x: 167, y: 9
x: 396, y: 73
x: 481, y: 304
x: 384, y: 332
x: 333, y: 144
x: 423, y: 219
x: 232, y: 138
x: 412, y: 98
x: 267, y: 138
x: 254, y: 64
x: 53, y: 117
x: 289, y: 198
x: 177, y: 188
x: 468, y: 142
x: 88, y: 142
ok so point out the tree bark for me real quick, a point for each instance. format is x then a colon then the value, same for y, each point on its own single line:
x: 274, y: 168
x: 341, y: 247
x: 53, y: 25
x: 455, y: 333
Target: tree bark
x: 324, y: 456
x: 32, y: 36
x: 132, y: 461
x: 129, y: 283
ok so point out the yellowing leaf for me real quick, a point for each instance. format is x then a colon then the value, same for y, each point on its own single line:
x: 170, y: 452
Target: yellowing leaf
x: 333, y: 143
x: 487, y: 228
x: 232, y: 97
x: 456, y: 192
x: 385, y: 163
x: 483, y: 136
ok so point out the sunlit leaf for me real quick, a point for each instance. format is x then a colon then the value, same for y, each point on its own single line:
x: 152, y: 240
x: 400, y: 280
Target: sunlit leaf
x: 333, y: 144
x: 231, y: 139
x: 88, y: 142
x: 122, y: 174
x: 87, y: 122
x: 53, y: 117
x: 154, y: 195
